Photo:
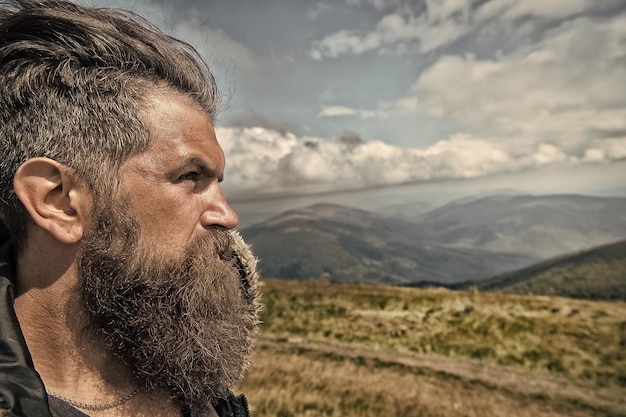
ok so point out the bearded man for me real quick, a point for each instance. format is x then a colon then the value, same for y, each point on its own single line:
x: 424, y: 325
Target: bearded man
x: 124, y: 290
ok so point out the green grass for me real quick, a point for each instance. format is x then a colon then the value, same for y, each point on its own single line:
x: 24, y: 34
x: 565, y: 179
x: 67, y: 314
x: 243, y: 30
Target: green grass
x: 337, y: 350
x: 580, y: 339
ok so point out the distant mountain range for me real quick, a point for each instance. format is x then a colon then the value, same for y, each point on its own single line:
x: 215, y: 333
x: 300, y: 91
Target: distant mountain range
x: 467, y: 240
x: 540, y: 226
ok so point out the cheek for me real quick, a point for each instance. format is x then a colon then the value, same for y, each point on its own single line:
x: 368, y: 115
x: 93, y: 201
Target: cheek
x: 172, y: 220
x: 166, y: 214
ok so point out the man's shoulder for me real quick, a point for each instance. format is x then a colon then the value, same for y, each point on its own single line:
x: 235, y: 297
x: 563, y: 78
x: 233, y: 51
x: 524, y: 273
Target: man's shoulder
x: 233, y: 406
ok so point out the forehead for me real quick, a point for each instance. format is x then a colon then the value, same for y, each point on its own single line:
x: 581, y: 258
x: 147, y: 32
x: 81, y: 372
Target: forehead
x: 179, y: 130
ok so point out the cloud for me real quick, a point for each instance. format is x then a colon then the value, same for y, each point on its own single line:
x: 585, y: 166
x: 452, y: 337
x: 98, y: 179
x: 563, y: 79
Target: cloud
x: 564, y: 90
x: 513, y: 9
x: 551, y: 99
x: 217, y: 45
x: 548, y: 79
x: 350, y: 138
x: 431, y: 29
x: 317, y: 10
x: 377, y: 4
x: 265, y: 161
x: 390, y: 30
x: 333, y: 111
x: 607, y: 149
x: 251, y: 118
x: 338, y: 111
x: 439, y: 23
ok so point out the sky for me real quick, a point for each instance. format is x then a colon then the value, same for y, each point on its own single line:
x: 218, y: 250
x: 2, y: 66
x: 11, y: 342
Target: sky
x: 328, y: 96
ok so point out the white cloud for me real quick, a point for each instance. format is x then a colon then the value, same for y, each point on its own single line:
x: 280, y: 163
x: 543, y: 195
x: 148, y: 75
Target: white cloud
x: 614, y: 148
x: 432, y: 29
x: 261, y: 160
x: 557, y: 101
x: 441, y: 23
x: 403, y: 105
x: 392, y: 30
x: 548, y: 154
x: 550, y: 9
x: 336, y: 111
x: 593, y: 155
x: 317, y: 10
x: 343, y: 42
x: 316, y: 55
x: 439, y: 10
x: 332, y: 111
x: 560, y: 92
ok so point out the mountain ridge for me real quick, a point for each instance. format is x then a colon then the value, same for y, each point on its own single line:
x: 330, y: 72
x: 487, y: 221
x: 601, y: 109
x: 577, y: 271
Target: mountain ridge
x: 353, y: 245
x: 543, y: 226
x: 462, y: 241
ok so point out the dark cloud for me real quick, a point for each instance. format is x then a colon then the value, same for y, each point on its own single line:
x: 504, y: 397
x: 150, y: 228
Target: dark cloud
x: 251, y: 118
x: 350, y: 138
x: 607, y: 133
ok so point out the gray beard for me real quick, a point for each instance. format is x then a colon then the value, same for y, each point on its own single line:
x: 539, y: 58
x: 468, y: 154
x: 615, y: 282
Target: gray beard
x: 184, y: 325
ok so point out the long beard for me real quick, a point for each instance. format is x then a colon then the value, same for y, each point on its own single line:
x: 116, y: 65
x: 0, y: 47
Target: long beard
x: 185, y: 325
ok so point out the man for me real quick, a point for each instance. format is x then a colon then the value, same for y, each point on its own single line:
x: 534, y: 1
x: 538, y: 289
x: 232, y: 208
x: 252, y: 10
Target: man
x: 124, y: 291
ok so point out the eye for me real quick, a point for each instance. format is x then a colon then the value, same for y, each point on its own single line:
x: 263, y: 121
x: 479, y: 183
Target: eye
x: 190, y: 176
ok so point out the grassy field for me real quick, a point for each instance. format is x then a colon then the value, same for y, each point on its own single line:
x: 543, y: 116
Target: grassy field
x: 365, y: 350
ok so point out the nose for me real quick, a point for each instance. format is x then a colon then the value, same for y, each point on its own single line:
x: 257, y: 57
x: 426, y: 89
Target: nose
x: 219, y: 213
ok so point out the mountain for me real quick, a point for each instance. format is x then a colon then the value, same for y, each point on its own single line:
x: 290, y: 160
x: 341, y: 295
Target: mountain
x: 406, y: 211
x: 466, y: 240
x: 540, y: 226
x: 598, y: 273
x: 411, y: 211
x: 352, y: 245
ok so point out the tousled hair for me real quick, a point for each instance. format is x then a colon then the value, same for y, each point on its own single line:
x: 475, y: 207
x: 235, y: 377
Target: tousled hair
x: 74, y: 81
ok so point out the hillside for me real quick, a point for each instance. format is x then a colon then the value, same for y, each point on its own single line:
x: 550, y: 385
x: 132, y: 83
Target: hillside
x: 468, y: 240
x: 598, y: 273
x: 352, y: 245
x: 541, y: 226
x: 371, y: 350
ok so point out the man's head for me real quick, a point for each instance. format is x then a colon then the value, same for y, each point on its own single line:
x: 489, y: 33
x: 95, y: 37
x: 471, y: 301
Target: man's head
x: 73, y: 87
x: 107, y: 147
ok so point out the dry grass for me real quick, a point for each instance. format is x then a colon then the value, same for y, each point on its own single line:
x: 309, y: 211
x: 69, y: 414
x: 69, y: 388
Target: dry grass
x: 355, y: 350
x: 287, y: 383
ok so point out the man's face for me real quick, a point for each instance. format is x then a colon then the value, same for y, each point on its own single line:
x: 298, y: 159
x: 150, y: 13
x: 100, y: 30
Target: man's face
x: 163, y: 284
x: 174, y: 186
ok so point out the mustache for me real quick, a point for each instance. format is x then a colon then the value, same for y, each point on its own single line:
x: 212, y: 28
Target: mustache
x: 216, y: 239
x: 221, y: 241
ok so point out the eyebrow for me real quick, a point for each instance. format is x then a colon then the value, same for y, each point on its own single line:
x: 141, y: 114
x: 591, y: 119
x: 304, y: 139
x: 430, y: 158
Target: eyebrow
x: 201, y: 166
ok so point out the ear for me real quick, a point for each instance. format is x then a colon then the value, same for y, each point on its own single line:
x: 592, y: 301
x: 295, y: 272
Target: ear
x: 56, y: 199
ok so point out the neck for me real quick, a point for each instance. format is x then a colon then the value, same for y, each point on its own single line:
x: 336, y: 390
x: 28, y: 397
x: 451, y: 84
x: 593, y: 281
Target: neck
x: 46, y: 307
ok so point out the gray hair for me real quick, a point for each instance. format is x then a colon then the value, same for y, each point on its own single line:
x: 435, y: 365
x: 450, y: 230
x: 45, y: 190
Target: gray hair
x: 73, y: 84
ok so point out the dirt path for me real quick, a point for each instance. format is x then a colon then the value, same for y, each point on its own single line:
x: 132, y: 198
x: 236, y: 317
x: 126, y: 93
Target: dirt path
x: 516, y: 382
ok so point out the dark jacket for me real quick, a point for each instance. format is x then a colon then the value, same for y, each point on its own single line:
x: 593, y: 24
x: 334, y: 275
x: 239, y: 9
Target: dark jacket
x: 22, y: 393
